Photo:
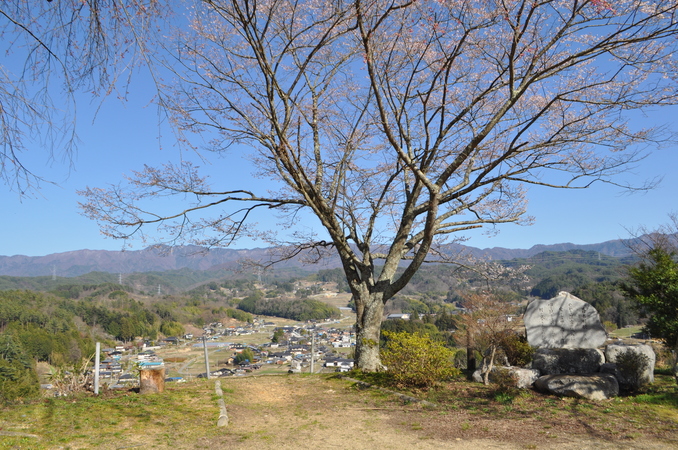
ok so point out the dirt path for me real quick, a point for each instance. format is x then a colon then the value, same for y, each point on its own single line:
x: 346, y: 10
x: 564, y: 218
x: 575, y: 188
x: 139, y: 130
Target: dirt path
x: 298, y: 411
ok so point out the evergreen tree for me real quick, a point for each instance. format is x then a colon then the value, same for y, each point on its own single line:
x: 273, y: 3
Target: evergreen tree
x: 654, y: 285
x: 18, y: 378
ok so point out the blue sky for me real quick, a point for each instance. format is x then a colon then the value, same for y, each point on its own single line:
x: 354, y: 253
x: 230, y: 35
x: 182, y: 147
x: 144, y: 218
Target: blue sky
x: 125, y: 136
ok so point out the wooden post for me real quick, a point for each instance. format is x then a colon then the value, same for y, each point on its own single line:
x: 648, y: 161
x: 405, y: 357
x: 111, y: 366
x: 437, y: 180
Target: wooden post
x: 152, y: 381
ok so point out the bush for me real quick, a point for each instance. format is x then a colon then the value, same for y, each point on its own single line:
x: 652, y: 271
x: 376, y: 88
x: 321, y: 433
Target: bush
x: 518, y: 352
x: 505, y: 384
x: 632, y: 367
x: 416, y: 361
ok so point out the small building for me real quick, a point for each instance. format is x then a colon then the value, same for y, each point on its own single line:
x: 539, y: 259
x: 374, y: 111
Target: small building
x: 398, y: 316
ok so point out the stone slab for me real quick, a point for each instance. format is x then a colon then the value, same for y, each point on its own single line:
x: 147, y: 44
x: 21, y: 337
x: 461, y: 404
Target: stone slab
x: 564, y: 321
x: 520, y: 377
x: 600, y: 386
x: 549, y: 361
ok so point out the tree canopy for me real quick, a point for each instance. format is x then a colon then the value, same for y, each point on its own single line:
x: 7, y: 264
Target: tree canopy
x: 654, y: 285
x: 396, y: 125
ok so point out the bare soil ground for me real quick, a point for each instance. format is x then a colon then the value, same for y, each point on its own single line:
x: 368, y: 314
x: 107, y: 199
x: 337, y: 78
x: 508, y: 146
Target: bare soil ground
x: 286, y: 412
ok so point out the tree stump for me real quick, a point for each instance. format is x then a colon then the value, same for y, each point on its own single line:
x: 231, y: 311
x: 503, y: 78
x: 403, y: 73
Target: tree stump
x: 152, y: 381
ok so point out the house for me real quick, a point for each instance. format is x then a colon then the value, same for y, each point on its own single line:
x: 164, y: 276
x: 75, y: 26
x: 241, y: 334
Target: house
x: 128, y: 378
x: 398, y: 316
x: 340, y: 363
x: 341, y: 344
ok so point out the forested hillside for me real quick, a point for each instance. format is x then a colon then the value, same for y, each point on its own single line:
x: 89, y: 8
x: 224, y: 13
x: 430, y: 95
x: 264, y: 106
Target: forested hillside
x: 167, y: 282
x: 57, y: 320
x: 588, y: 274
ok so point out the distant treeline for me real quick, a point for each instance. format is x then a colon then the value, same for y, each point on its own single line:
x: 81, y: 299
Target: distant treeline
x: 296, y: 309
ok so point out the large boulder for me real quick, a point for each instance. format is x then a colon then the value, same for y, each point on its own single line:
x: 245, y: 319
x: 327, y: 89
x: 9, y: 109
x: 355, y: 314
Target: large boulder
x: 563, y: 322
x: 597, y: 386
x: 517, y: 377
x: 631, y: 364
x: 550, y: 361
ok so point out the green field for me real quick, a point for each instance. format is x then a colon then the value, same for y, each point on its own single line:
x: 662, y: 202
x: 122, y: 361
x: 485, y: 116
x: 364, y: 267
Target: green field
x: 626, y: 332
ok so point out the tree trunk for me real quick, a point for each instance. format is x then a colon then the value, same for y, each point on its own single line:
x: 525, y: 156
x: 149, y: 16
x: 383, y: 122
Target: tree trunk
x: 152, y: 381
x: 470, y: 355
x: 488, y: 369
x: 370, y: 312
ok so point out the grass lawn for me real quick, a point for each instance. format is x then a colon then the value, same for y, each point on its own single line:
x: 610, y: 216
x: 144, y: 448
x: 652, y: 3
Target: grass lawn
x: 332, y: 412
x: 625, y: 333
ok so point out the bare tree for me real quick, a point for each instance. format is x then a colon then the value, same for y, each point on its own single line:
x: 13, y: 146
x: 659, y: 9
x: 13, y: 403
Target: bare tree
x: 54, y: 49
x: 399, y: 124
x: 643, y: 239
x: 485, y: 321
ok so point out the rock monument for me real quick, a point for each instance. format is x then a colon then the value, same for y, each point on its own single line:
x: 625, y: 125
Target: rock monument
x: 563, y: 322
x: 569, y: 359
x: 567, y: 332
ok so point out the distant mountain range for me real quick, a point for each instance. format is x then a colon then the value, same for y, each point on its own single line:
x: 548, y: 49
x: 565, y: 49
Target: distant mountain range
x: 80, y: 262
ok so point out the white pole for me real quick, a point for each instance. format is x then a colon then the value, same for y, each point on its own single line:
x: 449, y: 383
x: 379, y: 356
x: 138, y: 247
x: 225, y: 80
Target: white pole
x: 207, y: 360
x: 96, y: 368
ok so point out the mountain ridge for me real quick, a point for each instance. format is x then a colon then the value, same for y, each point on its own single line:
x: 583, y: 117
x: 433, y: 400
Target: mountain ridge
x: 79, y: 262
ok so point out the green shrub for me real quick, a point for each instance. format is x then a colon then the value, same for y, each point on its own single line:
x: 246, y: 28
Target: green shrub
x: 518, y: 352
x: 416, y: 361
x: 632, y: 367
x: 504, y: 383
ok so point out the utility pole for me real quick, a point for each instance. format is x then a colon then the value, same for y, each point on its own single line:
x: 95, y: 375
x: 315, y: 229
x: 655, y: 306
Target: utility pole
x: 207, y: 360
x: 96, y: 367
